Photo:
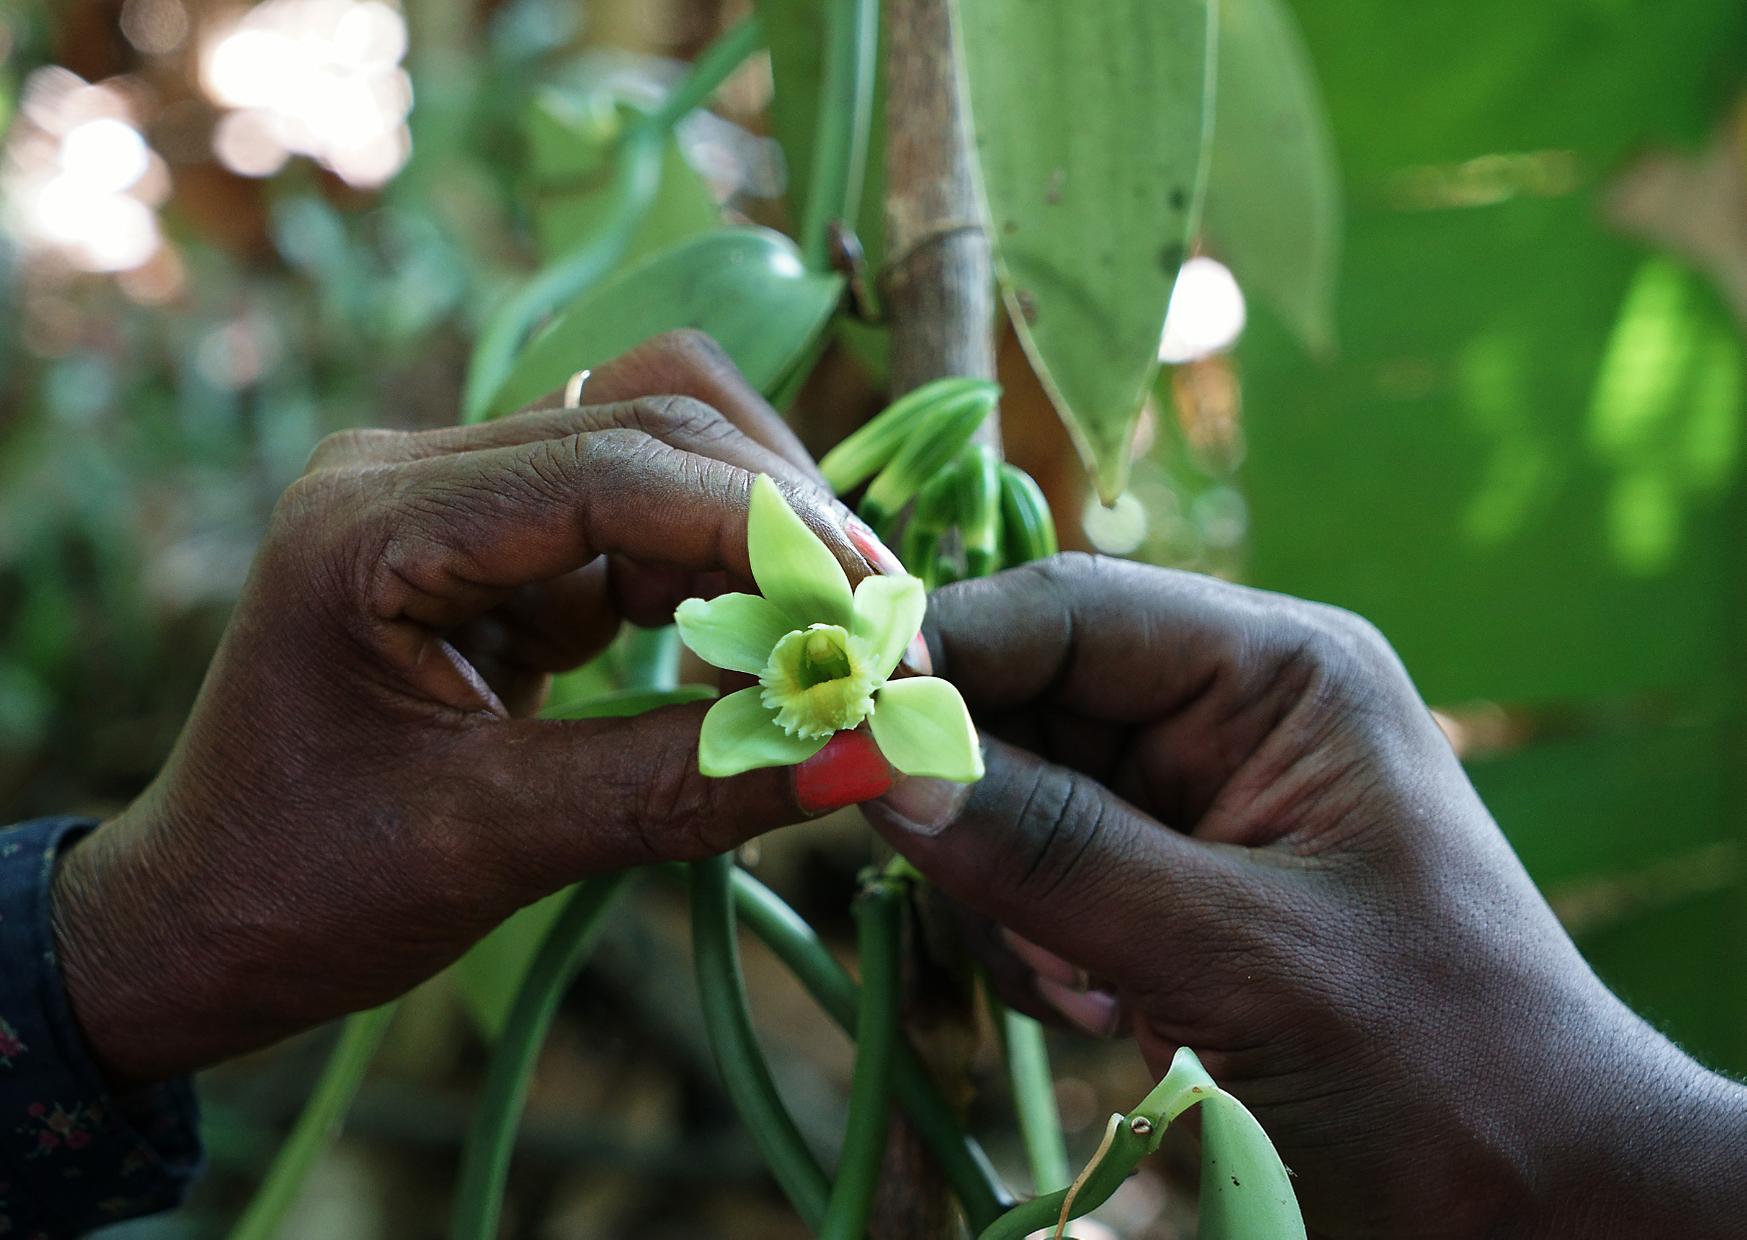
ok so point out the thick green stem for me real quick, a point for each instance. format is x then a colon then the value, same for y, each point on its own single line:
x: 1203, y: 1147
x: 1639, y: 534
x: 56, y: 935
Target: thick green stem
x: 319, y: 1125
x: 975, y: 1183
x: 722, y: 989
x: 485, y: 1162
x: 1034, y: 1098
x: 852, y: 35
x: 877, y: 914
x: 636, y: 180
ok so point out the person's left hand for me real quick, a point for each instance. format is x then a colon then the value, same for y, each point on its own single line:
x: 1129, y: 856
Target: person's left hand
x: 358, y: 795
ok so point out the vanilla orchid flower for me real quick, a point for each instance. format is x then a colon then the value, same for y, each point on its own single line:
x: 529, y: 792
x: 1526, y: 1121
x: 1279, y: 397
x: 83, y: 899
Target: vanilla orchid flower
x: 822, y: 656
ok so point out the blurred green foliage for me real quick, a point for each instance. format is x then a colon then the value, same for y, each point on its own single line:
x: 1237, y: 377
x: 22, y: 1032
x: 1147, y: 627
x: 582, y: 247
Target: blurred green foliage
x: 1524, y: 463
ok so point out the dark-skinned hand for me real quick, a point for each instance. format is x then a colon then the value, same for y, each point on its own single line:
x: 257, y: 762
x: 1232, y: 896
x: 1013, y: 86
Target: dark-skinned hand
x: 1225, y: 819
x: 358, y: 795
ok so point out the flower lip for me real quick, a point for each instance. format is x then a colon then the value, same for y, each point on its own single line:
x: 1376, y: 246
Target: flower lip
x: 820, y: 680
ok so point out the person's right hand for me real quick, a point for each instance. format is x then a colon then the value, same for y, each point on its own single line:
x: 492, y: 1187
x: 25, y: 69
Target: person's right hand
x: 1231, y: 811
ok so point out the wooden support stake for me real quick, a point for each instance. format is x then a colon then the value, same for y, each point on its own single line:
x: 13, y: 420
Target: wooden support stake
x: 938, y: 291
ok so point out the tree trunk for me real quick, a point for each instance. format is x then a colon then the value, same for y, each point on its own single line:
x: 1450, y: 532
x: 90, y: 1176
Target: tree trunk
x: 938, y: 291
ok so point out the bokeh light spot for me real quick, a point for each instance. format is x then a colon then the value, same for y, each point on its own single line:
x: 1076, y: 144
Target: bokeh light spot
x: 1206, y: 314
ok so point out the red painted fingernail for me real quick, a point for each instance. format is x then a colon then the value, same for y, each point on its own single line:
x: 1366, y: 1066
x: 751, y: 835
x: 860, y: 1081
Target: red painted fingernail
x: 872, y: 549
x: 848, y: 770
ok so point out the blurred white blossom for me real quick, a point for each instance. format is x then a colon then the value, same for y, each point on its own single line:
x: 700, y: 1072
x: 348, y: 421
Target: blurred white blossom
x: 320, y: 78
x: 77, y: 177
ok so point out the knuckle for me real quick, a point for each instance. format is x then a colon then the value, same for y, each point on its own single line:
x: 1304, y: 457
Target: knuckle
x: 352, y: 447
x: 1350, y: 646
x: 1064, y: 824
x: 678, y: 417
x: 322, y: 537
x: 1071, y: 569
x: 316, y: 503
x: 673, y: 814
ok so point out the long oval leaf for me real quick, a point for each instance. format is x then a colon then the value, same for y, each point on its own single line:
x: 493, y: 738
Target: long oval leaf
x: 746, y: 287
x: 1090, y: 122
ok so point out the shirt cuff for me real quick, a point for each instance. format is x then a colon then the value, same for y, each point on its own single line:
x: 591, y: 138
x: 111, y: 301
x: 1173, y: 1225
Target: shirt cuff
x: 70, y: 1158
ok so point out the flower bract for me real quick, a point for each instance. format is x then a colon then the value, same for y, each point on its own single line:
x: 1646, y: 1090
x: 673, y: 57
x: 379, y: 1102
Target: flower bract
x: 822, y: 654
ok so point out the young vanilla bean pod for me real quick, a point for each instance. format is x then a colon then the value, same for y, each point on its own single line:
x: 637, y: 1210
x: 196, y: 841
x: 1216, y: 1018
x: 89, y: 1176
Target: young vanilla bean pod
x: 941, y: 437
x: 870, y: 448
x: 1030, y: 529
x: 979, y: 507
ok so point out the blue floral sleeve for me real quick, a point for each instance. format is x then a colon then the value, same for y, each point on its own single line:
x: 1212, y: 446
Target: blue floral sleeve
x: 71, y: 1156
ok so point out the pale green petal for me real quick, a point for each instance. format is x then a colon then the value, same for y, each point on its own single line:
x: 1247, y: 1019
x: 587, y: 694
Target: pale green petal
x: 888, y: 611
x: 735, y: 631
x: 793, y: 568
x: 922, y: 727
x: 740, y: 734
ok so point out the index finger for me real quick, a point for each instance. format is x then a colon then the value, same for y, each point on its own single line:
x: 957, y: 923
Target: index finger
x: 458, y: 531
x: 689, y: 363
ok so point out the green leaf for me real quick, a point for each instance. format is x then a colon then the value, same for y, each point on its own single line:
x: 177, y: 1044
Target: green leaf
x: 793, y: 568
x: 888, y: 613
x: 744, y: 286
x: 1245, y: 1193
x: 922, y: 727
x: 735, y: 631
x: 740, y: 734
x: 1274, y: 191
x: 1090, y: 123
x: 624, y: 703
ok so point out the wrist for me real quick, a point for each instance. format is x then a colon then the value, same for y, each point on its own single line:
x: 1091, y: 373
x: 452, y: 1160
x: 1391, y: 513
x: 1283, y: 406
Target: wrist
x: 1648, y: 1143
x: 131, y: 969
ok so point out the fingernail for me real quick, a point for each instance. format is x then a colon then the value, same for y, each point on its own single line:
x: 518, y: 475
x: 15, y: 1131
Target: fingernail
x: 872, y: 550
x: 916, y: 657
x: 1095, y: 1011
x: 1045, y: 962
x: 849, y: 769
x: 921, y: 804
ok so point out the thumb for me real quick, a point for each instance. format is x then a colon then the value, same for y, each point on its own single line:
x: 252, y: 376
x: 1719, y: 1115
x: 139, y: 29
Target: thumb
x: 578, y: 797
x: 1069, y: 865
